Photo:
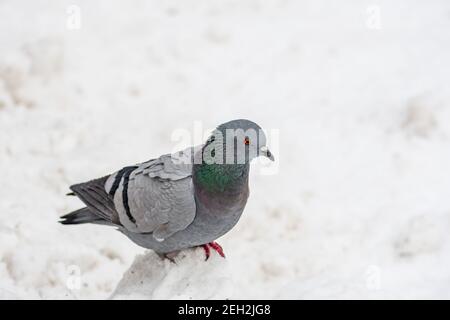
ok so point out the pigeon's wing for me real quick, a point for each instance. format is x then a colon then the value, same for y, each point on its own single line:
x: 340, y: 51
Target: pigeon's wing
x: 97, y: 200
x: 155, y: 197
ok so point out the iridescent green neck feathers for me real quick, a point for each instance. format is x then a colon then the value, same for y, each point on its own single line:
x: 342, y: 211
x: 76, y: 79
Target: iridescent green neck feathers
x: 220, y: 177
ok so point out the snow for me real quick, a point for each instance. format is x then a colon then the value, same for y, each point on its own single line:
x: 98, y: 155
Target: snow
x: 189, y: 276
x: 358, y: 205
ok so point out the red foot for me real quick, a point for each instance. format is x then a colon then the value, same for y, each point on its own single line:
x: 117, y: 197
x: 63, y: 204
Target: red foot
x: 215, y: 246
x: 207, y: 251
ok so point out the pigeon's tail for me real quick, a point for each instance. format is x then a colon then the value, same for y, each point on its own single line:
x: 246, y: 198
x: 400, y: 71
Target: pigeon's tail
x: 83, y: 215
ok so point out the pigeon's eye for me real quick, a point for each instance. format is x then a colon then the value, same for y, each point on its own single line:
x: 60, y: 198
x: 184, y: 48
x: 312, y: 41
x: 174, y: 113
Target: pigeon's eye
x: 246, y: 141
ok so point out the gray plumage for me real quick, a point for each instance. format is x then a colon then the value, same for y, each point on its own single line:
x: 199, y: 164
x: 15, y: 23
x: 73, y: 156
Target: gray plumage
x: 166, y: 204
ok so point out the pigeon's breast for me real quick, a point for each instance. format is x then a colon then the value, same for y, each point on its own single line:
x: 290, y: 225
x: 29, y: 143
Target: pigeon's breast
x: 218, y: 213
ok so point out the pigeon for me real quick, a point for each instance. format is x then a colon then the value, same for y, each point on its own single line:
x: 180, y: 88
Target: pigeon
x: 177, y: 201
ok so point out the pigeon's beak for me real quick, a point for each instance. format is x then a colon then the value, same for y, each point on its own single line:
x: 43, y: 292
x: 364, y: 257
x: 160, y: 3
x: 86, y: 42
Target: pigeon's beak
x: 264, y: 151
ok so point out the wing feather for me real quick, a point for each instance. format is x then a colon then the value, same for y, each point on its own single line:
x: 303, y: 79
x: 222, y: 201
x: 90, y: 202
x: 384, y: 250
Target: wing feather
x: 94, y: 196
x: 159, y: 195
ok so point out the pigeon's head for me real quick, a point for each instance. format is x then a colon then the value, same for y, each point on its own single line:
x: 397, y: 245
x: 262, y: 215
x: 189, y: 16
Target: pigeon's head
x: 237, y: 142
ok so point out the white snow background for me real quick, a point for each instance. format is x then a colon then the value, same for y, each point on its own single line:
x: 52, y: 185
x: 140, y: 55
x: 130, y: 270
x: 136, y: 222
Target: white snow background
x: 360, y: 205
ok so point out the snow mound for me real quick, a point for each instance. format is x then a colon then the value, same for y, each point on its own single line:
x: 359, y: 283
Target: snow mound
x: 188, y: 277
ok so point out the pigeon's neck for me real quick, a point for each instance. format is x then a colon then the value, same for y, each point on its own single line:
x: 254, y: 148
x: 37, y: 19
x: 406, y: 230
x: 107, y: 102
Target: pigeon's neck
x: 221, y: 178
